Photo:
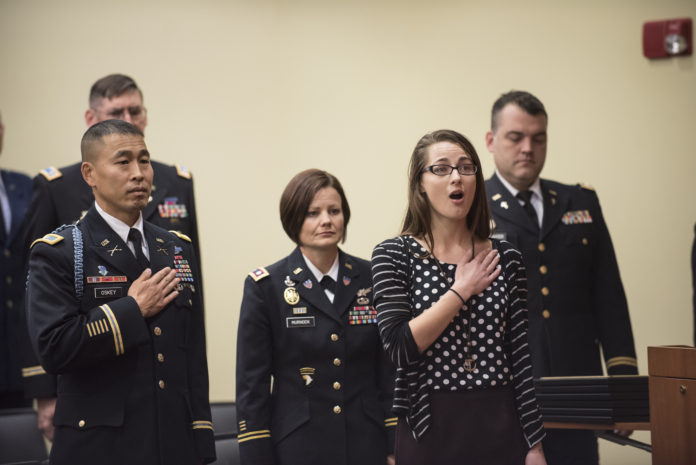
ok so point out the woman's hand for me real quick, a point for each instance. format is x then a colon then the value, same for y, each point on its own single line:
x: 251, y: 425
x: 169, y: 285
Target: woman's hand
x: 473, y: 277
x: 535, y: 456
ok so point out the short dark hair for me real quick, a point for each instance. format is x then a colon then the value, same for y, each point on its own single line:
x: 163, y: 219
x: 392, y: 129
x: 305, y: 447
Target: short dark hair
x: 298, y: 196
x: 104, y: 128
x: 111, y: 86
x: 526, y: 101
x: 417, y: 221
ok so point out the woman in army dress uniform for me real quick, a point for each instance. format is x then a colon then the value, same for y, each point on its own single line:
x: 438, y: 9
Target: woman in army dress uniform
x: 313, y: 384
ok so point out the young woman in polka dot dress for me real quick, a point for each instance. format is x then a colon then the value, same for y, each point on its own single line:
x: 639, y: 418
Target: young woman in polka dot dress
x: 452, y: 316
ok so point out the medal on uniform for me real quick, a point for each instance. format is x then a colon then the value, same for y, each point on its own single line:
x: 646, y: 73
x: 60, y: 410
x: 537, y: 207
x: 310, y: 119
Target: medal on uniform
x: 291, y: 296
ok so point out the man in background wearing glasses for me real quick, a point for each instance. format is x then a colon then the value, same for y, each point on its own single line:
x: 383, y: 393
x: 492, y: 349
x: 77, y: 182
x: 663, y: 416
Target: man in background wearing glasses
x: 576, y: 299
x: 61, y: 197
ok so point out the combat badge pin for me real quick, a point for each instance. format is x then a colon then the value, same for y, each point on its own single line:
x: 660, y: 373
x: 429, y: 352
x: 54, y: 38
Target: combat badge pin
x: 291, y: 296
x: 504, y: 205
x: 362, y: 296
x: 289, y: 282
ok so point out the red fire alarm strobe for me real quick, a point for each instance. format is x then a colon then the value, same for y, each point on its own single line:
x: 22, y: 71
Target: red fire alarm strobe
x: 668, y: 38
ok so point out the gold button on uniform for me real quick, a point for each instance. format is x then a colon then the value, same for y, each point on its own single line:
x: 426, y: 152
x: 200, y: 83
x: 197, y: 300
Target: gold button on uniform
x: 545, y: 290
x: 334, y: 337
x: 543, y: 269
x: 337, y: 362
x: 546, y: 314
x: 160, y: 357
x: 161, y: 384
x: 9, y: 304
x: 8, y: 280
x: 158, y: 331
x: 542, y: 247
x: 336, y: 385
x: 584, y: 241
x: 7, y: 253
x: 337, y: 409
x: 81, y: 423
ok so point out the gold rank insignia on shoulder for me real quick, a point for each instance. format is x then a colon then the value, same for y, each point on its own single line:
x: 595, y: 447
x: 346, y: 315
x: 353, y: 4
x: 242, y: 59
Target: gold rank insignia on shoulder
x: 259, y: 273
x: 183, y: 171
x: 586, y: 186
x: 496, y: 197
x: 306, y: 374
x: 51, y: 173
x: 181, y: 235
x: 291, y: 296
x: 297, y: 270
x: 50, y: 239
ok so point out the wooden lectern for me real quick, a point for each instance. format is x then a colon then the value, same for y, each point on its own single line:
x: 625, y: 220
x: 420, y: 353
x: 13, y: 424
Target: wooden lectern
x: 672, y: 371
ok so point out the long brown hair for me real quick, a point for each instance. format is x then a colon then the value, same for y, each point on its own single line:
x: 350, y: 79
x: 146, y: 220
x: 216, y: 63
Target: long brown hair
x: 417, y: 221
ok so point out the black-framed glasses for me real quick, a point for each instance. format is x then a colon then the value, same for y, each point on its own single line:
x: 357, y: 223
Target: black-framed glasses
x: 465, y: 169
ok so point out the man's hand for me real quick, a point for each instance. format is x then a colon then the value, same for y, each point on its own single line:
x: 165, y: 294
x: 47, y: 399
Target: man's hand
x: 45, y: 408
x: 154, y: 292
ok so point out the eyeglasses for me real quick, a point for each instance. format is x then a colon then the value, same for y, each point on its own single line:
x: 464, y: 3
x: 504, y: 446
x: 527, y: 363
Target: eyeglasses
x: 465, y: 169
x: 136, y: 113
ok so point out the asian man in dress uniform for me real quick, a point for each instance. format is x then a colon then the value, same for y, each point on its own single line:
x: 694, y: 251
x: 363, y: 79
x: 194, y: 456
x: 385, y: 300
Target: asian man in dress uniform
x: 61, y: 197
x: 113, y: 308
x: 577, y: 304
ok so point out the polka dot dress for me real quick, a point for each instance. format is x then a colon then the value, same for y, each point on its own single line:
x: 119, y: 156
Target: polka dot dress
x: 444, y: 359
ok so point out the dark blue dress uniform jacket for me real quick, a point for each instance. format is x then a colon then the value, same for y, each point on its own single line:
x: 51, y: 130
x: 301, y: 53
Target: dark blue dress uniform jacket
x: 61, y: 196
x: 130, y: 390
x: 12, y: 268
x: 576, y: 299
x: 312, y: 389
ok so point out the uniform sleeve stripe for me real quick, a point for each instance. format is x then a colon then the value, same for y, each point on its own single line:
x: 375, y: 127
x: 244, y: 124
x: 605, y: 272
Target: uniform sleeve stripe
x: 33, y: 371
x: 118, y: 341
x: 89, y: 329
x: 202, y: 424
x: 251, y: 435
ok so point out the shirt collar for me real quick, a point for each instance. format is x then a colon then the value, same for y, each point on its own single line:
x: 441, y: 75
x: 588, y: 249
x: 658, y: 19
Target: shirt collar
x: 119, y: 227
x: 535, y: 187
x: 333, y: 271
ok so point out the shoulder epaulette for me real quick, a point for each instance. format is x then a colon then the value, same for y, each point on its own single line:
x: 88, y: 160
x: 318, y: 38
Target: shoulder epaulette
x: 51, y: 173
x: 259, y: 273
x: 586, y: 186
x: 181, y: 235
x: 49, y: 239
x: 183, y: 171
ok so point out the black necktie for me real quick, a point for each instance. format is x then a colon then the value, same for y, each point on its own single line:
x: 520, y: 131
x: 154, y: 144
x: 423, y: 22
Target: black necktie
x: 328, y: 284
x: 137, y: 240
x: 526, y: 197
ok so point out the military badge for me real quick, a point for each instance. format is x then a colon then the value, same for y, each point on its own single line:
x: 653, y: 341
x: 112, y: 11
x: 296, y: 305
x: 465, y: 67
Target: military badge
x: 306, y: 374
x: 346, y: 280
x: 288, y: 282
x: 114, y: 250
x: 362, y: 296
x: 102, y: 270
x: 299, y: 310
x: 171, y: 209
x: 362, y: 315
x: 504, y: 205
x: 177, y: 249
x: 105, y: 242
x: 307, y: 284
x: 496, y: 197
x: 297, y: 270
x: 577, y: 217
x: 257, y: 275
x: 291, y: 296
x: 106, y: 279
x: 183, y: 269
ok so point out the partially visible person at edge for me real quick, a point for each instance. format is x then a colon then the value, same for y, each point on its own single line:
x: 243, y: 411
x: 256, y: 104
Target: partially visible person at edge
x: 314, y: 386
x: 15, y: 194
x: 451, y: 306
x: 113, y: 309
x: 577, y: 303
x: 62, y: 197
